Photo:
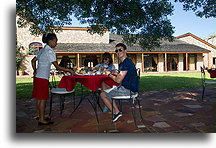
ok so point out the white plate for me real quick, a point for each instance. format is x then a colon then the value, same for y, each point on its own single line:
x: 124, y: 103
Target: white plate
x: 79, y: 74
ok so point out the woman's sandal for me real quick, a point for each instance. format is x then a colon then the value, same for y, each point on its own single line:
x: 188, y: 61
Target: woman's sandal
x: 47, y: 118
x: 48, y: 123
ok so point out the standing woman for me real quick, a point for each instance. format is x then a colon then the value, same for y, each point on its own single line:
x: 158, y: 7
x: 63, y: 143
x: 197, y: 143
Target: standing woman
x: 45, y: 58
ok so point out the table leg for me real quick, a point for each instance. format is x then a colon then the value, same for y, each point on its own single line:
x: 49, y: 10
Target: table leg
x: 94, y: 103
x: 62, y: 100
x: 82, y: 98
x: 51, y: 99
x: 98, y: 100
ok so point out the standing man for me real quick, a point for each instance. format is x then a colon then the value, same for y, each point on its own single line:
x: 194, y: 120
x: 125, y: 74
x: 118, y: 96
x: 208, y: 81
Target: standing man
x: 127, y: 79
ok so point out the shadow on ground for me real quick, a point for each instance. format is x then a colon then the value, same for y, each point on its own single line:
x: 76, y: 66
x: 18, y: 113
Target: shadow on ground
x: 176, y: 111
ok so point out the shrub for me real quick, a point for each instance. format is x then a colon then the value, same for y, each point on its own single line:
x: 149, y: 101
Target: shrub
x: 19, y: 57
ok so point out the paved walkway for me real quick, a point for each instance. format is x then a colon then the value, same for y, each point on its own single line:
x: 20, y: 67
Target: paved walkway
x: 163, y: 111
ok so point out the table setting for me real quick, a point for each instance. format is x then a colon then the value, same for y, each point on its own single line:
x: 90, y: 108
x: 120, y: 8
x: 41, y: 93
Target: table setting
x: 91, y: 78
x: 88, y: 71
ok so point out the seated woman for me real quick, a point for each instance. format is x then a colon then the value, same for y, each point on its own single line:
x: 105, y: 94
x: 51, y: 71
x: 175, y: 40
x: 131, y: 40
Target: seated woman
x: 66, y: 62
x: 106, y: 64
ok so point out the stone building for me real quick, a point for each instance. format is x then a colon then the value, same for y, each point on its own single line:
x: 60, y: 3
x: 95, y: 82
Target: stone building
x: 186, y: 53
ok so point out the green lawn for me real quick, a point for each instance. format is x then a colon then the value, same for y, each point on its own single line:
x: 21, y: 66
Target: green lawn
x: 169, y: 81
x: 148, y: 82
x: 24, y: 87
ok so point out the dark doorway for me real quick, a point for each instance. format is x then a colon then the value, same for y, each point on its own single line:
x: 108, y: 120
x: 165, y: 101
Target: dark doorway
x: 172, y: 62
x: 90, y: 60
x: 133, y: 58
x: 150, y: 62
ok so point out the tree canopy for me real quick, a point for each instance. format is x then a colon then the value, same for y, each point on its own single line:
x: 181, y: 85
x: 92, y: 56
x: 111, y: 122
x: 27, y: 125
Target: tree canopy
x: 202, y: 8
x: 139, y: 21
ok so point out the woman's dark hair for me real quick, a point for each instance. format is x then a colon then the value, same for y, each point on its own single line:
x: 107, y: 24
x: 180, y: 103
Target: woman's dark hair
x: 121, y: 45
x: 107, y: 55
x: 64, y: 61
x: 48, y: 36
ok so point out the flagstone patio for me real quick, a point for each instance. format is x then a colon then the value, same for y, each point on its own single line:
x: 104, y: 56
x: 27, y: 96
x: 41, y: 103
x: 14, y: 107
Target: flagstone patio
x: 163, y: 111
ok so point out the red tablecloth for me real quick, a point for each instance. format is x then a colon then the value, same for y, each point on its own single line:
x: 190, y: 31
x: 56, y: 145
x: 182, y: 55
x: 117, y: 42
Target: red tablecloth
x: 91, y: 82
x: 212, y: 73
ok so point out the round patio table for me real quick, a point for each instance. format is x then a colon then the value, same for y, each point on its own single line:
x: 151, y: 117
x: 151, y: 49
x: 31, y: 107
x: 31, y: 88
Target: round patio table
x: 91, y: 82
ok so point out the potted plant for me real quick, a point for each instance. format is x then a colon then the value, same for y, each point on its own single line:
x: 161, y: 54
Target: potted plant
x: 21, y: 70
x: 19, y: 58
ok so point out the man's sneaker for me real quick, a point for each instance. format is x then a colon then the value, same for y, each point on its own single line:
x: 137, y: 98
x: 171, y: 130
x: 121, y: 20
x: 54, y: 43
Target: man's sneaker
x: 116, y: 116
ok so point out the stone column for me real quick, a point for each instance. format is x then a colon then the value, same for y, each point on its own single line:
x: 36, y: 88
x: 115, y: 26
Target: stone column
x: 181, y: 62
x: 139, y: 61
x: 78, y: 60
x: 113, y: 57
x: 186, y: 61
x: 199, y: 61
x: 209, y: 60
x: 160, y: 65
x: 115, y: 61
x: 205, y: 59
x: 165, y: 61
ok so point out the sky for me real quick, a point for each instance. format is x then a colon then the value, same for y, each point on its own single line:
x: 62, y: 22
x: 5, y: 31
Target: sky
x: 184, y: 22
x: 187, y: 21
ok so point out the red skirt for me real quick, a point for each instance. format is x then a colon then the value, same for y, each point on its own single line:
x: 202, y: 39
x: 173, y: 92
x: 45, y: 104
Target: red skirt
x: 40, y: 89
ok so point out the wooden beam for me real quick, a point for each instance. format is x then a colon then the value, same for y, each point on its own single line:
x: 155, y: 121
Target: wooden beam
x: 130, y: 52
x: 143, y: 60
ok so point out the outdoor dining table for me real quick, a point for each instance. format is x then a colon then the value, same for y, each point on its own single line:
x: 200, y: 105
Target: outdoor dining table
x: 91, y: 82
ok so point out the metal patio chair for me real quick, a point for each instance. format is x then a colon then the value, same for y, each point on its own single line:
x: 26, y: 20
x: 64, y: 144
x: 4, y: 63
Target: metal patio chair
x: 61, y: 92
x: 133, y: 99
x: 205, y: 82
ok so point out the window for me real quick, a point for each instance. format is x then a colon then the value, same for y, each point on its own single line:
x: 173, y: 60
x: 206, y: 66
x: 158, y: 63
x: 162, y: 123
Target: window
x: 34, y: 47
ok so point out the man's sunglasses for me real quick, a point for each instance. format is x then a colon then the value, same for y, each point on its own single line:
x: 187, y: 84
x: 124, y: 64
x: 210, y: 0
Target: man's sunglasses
x: 120, y: 50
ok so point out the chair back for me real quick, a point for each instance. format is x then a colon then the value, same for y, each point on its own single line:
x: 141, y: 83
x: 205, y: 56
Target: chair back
x: 138, y: 72
x: 138, y: 77
x: 135, y: 77
x: 212, y: 73
x: 53, y: 83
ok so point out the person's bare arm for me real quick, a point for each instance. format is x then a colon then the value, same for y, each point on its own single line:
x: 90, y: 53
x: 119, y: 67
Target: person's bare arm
x: 62, y: 68
x: 119, y: 76
x: 33, y: 63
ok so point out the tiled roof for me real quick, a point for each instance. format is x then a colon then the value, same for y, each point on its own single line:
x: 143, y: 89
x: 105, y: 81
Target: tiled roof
x: 179, y: 46
x: 176, y: 46
x: 197, y: 38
